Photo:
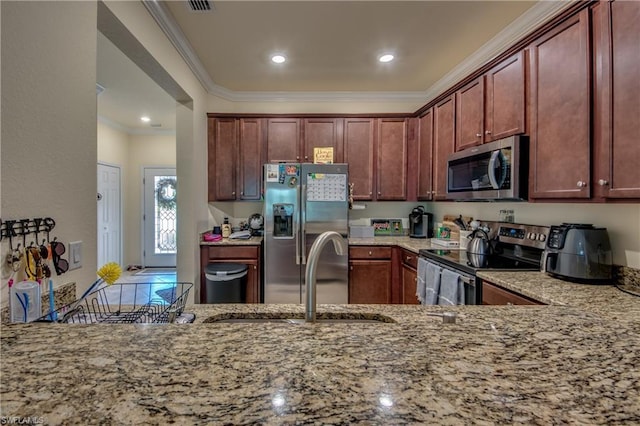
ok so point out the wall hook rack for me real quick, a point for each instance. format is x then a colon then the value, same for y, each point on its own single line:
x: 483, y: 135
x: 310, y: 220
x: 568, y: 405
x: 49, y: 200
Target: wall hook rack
x: 23, y: 227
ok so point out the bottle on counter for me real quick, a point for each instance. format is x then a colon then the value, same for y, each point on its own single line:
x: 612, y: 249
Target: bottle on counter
x: 226, y: 228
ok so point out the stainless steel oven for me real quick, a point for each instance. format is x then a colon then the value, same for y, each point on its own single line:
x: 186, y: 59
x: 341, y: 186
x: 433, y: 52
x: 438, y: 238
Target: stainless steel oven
x: 515, y: 247
x: 493, y: 171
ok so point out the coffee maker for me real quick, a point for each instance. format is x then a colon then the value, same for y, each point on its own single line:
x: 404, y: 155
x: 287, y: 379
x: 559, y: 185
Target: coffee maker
x: 420, y: 223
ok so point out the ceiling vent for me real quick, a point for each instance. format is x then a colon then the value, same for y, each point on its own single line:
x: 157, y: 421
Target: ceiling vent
x: 156, y: 125
x: 199, y: 5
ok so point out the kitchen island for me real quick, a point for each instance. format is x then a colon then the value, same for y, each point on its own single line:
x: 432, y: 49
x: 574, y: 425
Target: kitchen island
x: 494, y: 365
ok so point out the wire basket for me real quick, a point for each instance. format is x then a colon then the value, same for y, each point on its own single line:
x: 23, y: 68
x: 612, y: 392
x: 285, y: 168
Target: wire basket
x: 126, y: 303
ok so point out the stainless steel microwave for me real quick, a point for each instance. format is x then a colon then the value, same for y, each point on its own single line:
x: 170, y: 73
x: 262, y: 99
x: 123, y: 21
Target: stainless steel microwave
x: 493, y: 171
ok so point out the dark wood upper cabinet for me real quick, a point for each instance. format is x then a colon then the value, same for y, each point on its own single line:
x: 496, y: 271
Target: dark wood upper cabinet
x: 322, y: 133
x: 391, y: 182
x: 470, y: 115
x: 283, y: 140
x: 505, y: 99
x: 443, y: 144
x: 359, y: 136
x: 616, y: 37
x: 560, y: 111
x: 251, y: 159
x: 425, y: 152
x: 222, y: 156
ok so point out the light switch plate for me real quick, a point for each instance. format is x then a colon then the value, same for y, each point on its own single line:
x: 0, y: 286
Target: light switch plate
x: 75, y: 255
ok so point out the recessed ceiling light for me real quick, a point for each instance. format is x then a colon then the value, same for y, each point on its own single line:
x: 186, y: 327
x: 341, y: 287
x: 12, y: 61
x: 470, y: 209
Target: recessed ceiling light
x: 145, y: 119
x: 386, y: 58
x: 278, y: 59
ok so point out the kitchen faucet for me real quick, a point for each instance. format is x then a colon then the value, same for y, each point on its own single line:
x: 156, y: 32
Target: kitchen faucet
x: 340, y: 245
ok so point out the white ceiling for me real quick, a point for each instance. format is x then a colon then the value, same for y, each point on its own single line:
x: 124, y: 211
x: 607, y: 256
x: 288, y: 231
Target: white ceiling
x: 331, y: 46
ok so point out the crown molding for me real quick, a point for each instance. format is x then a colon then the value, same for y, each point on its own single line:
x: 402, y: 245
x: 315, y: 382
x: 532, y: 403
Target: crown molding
x: 523, y: 25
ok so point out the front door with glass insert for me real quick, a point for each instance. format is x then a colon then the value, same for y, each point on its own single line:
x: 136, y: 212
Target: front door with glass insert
x: 160, y: 217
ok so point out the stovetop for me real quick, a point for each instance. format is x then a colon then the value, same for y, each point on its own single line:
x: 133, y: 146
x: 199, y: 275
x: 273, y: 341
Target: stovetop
x: 470, y: 263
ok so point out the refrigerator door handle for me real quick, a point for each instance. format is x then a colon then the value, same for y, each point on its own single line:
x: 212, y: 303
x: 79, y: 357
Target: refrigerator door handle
x: 303, y: 232
x: 296, y: 232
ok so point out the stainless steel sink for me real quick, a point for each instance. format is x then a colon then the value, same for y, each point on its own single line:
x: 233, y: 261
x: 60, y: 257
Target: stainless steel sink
x: 329, y: 318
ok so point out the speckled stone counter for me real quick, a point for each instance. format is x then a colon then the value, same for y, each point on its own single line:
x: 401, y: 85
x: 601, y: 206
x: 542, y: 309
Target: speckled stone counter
x: 496, y: 365
x: 411, y: 244
x: 253, y: 241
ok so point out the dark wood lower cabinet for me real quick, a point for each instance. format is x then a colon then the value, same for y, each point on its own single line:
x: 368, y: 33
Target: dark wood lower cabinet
x: 496, y: 295
x: 370, y: 273
x: 409, y: 264
x: 248, y: 255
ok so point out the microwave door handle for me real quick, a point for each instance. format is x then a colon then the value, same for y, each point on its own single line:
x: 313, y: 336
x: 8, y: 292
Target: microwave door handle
x: 492, y: 167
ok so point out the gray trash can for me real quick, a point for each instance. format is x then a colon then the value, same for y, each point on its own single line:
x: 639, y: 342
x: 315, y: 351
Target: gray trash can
x: 226, y: 282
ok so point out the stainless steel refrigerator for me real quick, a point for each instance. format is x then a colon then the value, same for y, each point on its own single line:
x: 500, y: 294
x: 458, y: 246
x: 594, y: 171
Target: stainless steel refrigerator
x: 301, y: 202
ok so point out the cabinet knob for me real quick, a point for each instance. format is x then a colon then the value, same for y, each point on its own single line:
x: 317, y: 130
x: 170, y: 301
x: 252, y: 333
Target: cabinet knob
x: 297, y: 157
x: 351, y: 268
x: 379, y: 193
x: 487, y: 132
x: 370, y: 193
x: 408, y: 258
x: 370, y: 254
x: 581, y: 184
x: 306, y: 157
x: 478, y: 135
x: 233, y: 193
x: 603, y: 182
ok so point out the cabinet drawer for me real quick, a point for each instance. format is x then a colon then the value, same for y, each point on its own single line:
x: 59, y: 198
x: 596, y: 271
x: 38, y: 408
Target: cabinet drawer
x: 410, y: 259
x: 233, y: 252
x: 369, y: 252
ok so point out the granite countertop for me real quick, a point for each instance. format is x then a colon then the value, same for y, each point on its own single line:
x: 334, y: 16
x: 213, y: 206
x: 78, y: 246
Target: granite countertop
x: 496, y: 365
x: 572, y: 361
x: 411, y: 244
x: 253, y: 241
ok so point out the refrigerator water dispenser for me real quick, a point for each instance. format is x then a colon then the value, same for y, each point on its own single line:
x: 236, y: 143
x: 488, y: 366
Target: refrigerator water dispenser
x: 283, y: 221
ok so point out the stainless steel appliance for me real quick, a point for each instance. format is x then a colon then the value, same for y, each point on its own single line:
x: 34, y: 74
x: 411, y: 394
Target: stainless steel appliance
x: 301, y: 202
x: 493, y: 171
x: 578, y: 252
x: 514, y: 247
x: 420, y: 223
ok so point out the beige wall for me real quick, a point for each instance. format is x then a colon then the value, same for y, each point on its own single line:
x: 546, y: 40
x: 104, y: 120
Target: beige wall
x: 49, y: 123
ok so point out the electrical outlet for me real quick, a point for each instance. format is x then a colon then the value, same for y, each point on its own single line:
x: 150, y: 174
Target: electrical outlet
x: 75, y: 255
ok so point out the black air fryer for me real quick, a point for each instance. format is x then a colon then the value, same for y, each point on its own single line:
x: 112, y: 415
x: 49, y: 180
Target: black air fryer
x: 420, y: 223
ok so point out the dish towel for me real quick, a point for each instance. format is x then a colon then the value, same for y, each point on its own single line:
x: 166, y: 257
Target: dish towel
x: 450, y: 288
x: 421, y: 288
x: 432, y: 284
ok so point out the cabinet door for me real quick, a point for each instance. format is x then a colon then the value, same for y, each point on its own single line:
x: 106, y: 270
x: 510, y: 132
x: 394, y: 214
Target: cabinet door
x: 443, y: 144
x: 425, y: 159
x: 617, y: 99
x: 370, y: 281
x: 470, y: 115
x: 222, y: 154
x: 323, y: 133
x: 409, y: 285
x: 391, y: 182
x: 358, y: 153
x: 560, y: 111
x: 504, y: 111
x: 251, y: 159
x: 283, y: 140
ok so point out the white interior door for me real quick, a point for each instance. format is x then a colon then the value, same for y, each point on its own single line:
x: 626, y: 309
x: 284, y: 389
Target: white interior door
x: 109, y: 215
x: 160, y: 217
